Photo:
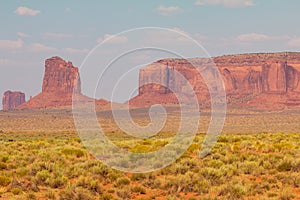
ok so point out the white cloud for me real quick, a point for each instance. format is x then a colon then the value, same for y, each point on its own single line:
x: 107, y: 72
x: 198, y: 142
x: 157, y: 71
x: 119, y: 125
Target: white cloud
x: 295, y: 42
x: 254, y: 40
x: 226, y: 3
x: 75, y: 51
x: 7, y: 62
x: 173, y: 37
x: 253, y: 37
x: 56, y: 35
x: 23, y: 35
x: 113, y: 39
x: 140, y: 59
x: 258, y: 37
x: 67, y: 10
x: 11, y: 44
x: 26, y: 11
x: 37, y: 47
x: 4, y: 62
x: 200, y: 37
x: 168, y: 11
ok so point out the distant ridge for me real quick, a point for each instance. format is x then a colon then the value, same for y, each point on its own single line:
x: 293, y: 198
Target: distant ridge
x: 255, y: 80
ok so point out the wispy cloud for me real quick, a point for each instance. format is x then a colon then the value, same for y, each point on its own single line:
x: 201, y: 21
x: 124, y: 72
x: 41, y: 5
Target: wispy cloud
x: 57, y: 35
x: 75, y: 51
x: 37, y: 47
x: 4, y: 62
x: 226, y: 3
x: 254, y: 40
x: 168, y: 11
x: 67, y: 10
x: 295, y: 42
x: 253, y: 37
x: 7, y: 62
x: 113, y: 39
x: 23, y: 35
x: 25, y: 11
x: 11, y: 44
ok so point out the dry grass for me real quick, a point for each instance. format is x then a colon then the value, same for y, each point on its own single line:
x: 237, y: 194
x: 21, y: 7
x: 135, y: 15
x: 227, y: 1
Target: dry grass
x: 258, y: 157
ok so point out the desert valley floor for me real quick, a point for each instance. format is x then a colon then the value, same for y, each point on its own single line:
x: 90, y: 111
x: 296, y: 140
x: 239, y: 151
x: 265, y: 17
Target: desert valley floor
x: 257, y: 157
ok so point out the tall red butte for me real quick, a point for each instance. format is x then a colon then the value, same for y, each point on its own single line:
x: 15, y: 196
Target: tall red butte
x: 11, y: 100
x: 61, y: 78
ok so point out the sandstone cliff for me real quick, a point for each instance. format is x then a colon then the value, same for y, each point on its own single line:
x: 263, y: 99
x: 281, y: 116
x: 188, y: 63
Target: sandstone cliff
x: 61, y: 78
x: 11, y: 100
x: 249, y: 79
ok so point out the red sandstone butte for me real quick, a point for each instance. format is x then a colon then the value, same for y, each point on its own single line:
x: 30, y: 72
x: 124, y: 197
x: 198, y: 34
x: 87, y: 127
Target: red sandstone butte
x: 270, y: 80
x: 61, y: 78
x: 11, y: 100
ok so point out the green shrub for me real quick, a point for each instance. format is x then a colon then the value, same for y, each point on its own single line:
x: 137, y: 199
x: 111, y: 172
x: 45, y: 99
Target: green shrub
x: 233, y: 191
x: 4, y: 157
x: 248, y: 167
x: 42, y: 176
x: 111, y: 190
x: 122, y: 181
x: 50, y: 195
x: 73, y: 152
x: 56, y: 182
x: 137, y: 177
x: 152, y: 183
x: 124, y: 193
x: 215, y: 163
x: 4, y: 181
x: 201, y: 186
x: 138, y: 189
x: 3, y: 166
x: 67, y: 194
x: 31, y: 196
x: 16, y: 191
x: 100, y: 170
x: 286, y: 194
x: 83, y: 194
x: 21, y: 172
x: 106, y: 197
x: 284, y: 166
x: 215, y: 176
x: 89, y: 184
x: 296, y: 165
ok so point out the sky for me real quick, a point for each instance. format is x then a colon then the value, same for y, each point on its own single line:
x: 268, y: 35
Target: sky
x: 32, y: 31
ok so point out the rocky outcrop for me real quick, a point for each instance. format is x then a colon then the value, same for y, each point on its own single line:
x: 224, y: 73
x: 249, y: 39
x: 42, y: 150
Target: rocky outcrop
x: 11, y: 100
x: 61, y: 78
x: 275, y: 77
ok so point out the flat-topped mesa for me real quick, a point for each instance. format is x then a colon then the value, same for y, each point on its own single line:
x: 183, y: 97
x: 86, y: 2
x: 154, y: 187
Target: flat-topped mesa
x: 253, y: 59
x: 246, y: 77
x: 61, y: 77
x: 11, y: 100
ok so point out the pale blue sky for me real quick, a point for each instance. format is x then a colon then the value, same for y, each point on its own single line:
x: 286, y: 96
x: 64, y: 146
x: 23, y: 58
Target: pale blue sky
x: 32, y: 31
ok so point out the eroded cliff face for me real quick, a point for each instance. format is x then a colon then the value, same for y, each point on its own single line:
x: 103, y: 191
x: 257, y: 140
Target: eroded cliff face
x: 246, y: 77
x: 61, y: 78
x: 11, y: 100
